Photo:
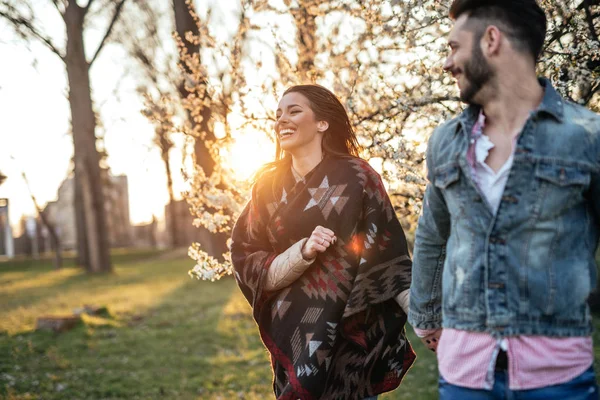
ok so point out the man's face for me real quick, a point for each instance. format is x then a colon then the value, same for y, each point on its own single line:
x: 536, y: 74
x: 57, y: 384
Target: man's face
x: 466, y: 62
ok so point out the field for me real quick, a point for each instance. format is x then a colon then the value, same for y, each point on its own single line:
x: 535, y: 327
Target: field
x: 165, y: 336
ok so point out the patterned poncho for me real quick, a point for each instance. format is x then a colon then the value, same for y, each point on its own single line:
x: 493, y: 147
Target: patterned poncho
x: 336, y: 332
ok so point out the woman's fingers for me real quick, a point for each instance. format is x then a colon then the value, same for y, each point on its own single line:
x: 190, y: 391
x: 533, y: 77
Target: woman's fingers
x: 327, y: 232
x: 324, y: 231
x: 320, y: 240
x: 318, y: 244
x: 320, y: 248
x: 324, y: 241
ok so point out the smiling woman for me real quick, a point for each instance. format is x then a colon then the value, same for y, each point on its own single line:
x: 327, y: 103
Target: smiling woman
x: 312, y: 253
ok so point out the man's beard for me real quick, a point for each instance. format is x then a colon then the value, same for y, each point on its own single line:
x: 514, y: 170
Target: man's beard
x: 477, y: 72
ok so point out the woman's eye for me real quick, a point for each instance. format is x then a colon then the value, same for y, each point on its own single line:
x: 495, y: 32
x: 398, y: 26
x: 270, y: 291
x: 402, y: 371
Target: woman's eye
x: 295, y: 112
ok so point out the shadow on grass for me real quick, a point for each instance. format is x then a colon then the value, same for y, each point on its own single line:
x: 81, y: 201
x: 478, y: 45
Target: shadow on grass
x: 196, y: 341
x: 44, y: 285
x: 45, y: 262
x: 167, y: 337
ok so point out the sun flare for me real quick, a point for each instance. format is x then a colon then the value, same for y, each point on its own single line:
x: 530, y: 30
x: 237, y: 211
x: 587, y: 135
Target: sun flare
x: 248, y: 153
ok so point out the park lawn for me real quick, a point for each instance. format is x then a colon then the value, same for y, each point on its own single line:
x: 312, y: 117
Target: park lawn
x: 166, y: 337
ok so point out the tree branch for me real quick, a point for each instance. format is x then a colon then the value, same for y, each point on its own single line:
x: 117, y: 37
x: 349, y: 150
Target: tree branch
x: 590, y: 21
x: 55, y: 2
x: 407, y: 107
x: 19, y: 22
x: 114, y: 19
x: 62, y: 11
x: 89, y: 4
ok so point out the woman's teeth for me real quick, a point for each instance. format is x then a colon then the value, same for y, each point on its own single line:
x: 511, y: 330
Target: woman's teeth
x: 286, y: 132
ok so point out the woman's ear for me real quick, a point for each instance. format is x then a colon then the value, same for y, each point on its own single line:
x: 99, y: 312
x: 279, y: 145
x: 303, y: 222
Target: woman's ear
x: 322, y: 126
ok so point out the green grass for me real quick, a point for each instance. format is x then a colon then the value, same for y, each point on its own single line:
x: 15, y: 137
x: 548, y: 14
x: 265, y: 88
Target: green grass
x: 117, y: 256
x: 166, y: 337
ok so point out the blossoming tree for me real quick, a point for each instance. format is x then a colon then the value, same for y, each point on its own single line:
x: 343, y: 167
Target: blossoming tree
x: 384, y: 60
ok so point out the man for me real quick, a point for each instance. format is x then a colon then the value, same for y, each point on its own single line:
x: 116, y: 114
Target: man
x: 504, y: 252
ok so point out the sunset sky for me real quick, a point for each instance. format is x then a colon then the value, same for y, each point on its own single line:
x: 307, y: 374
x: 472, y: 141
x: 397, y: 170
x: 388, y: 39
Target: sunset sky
x: 34, y: 127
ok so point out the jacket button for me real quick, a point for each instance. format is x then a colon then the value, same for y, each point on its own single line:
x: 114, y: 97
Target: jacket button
x: 510, y: 199
x: 497, y: 240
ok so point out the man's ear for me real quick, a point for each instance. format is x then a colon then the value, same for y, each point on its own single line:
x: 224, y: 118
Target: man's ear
x: 492, y: 39
x: 322, y: 126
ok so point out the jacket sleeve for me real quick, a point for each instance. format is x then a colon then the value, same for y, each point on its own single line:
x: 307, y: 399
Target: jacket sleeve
x: 432, y: 234
x: 287, y: 267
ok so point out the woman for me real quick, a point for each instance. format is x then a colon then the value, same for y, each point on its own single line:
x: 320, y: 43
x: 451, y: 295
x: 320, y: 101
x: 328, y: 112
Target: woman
x: 322, y: 259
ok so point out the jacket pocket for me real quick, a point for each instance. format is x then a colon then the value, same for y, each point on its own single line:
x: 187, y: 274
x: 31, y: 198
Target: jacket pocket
x: 562, y: 175
x: 560, y: 188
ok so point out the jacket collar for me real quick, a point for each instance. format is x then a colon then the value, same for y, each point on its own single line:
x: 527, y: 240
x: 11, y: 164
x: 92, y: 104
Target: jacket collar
x: 552, y: 104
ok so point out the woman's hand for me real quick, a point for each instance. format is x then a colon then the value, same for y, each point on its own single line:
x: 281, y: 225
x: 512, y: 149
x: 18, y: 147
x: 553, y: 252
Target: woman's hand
x: 432, y: 340
x: 319, y: 240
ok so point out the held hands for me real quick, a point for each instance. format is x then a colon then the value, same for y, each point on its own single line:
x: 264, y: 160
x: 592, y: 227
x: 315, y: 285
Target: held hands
x: 320, y: 239
x: 431, y: 341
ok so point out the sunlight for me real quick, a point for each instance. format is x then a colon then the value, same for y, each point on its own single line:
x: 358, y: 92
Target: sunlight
x: 248, y: 153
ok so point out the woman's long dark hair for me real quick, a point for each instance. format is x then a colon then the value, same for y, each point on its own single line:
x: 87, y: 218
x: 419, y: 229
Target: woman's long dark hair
x: 338, y: 140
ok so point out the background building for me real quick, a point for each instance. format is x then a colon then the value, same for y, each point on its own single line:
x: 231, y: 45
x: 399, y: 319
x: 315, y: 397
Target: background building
x: 6, y: 237
x: 62, y: 213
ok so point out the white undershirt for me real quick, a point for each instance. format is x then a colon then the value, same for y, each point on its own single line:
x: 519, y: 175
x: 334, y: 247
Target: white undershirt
x: 490, y: 183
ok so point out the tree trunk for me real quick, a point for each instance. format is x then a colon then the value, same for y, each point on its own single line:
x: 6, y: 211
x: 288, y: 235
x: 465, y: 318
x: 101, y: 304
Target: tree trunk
x: 172, y: 223
x: 54, y: 239
x: 185, y: 23
x: 82, y: 253
x: 87, y: 158
x: 213, y: 244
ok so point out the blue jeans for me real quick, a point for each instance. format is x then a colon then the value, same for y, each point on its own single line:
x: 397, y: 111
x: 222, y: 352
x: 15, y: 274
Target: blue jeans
x: 583, y: 387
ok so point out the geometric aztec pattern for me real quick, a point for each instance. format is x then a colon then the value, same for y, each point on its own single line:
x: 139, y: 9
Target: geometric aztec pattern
x: 373, y: 186
x: 327, y: 198
x: 301, y: 324
x: 331, y: 279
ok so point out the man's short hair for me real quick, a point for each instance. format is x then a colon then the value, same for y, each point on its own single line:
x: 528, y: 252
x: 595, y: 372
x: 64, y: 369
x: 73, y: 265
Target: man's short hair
x: 523, y: 21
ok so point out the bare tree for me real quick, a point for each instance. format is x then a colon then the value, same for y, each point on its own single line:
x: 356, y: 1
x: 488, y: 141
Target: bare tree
x: 159, y: 83
x: 92, y: 230
x: 162, y: 139
x: 50, y: 227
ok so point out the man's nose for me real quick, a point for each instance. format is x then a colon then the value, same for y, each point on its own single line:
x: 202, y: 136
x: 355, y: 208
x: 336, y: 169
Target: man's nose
x: 448, y: 64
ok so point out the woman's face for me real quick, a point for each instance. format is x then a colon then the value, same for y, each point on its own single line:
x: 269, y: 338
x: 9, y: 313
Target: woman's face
x: 296, y: 126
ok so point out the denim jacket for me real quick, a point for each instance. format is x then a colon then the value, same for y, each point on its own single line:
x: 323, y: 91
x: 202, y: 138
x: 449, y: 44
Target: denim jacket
x: 529, y: 268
